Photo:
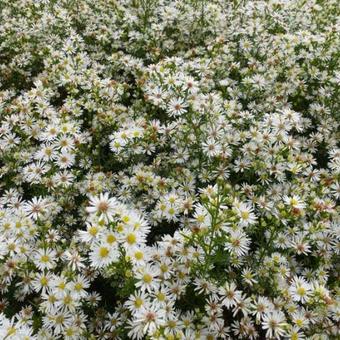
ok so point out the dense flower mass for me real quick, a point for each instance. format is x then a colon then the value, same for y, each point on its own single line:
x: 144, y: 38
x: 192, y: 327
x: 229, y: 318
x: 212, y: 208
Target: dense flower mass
x: 169, y: 169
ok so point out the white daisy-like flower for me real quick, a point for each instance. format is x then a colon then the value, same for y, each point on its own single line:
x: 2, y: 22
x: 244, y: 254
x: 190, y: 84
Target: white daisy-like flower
x: 246, y: 214
x: 102, y: 255
x: 36, y: 208
x: 300, y: 289
x: 177, y: 106
x: 274, y: 323
x: 237, y: 243
x: 103, y: 206
x: 230, y: 295
x: 294, y: 201
x: 151, y: 317
x: 65, y: 159
x: 45, y: 258
x: 147, y: 277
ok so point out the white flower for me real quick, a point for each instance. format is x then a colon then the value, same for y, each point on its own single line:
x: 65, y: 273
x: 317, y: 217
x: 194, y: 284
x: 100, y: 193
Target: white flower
x: 230, y: 295
x: 274, y: 323
x: 42, y: 282
x: 58, y: 321
x: 151, y: 317
x: 177, y: 107
x: 294, y: 201
x: 91, y: 233
x: 36, y: 208
x: 237, y: 243
x: 132, y: 239
x: 147, y: 277
x: 79, y: 285
x: 65, y: 159
x: 137, y: 301
x: 201, y: 217
x: 74, y: 259
x: 103, y: 206
x: 262, y: 306
x: 300, y: 289
x: 117, y: 144
x: 211, y: 148
x: 246, y: 214
x: 45, y: 259
x: 102, y: 255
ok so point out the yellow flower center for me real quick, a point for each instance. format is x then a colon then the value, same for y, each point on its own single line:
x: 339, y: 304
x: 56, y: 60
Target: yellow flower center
x: 120, y: 228
x: 78, y: 286
x: 93, y: 230
x: 200, y: 218
x: 125, y: 219
x: 103, y: 252
x: 62, y: 285
x: 138, y: 302
x: 52, y: 299
x: 45, y: 258
x: 131, y: 239
x: 299, y: 322
x: 245, y: 215
x: 139, y: 255
x: 67, y: 299
x: 44, y: 281
x: 161, y: 296
x: 69, y: 332
x: 59, y: 319
x: 294, y: 201
x: 301, y: 291
x: 110, y: 239
x: 294, y: 336
x: 147, y: 278
x: 164, y: 268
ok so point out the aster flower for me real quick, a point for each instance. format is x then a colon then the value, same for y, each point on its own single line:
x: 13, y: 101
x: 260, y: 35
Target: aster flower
x: 300, y: 289
x: 102, y: 255
x: 237, y: 243
x: 165, y: 173
x: 177, y: 107
x: 45, y: 258
x: 65, y: 159
x: 36, y: 208
x: 230, y: 295
x: 147, y: 277
x: 274, y: 324
x: 294, y: 202
x: 245, y: 214
x: 104, y: 206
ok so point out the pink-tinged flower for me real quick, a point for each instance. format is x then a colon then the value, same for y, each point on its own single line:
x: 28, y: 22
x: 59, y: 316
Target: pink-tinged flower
x: 177, y: 107
x: 103, y: 206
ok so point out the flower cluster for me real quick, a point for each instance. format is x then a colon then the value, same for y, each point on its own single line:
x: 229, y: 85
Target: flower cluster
x: 169, y: 169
